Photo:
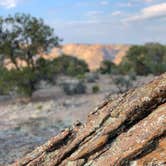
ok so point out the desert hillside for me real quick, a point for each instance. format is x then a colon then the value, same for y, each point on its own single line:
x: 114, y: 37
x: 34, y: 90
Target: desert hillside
x: 93, y: 54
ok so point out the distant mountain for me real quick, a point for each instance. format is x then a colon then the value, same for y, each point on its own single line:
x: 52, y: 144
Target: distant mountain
x: 93, y: 54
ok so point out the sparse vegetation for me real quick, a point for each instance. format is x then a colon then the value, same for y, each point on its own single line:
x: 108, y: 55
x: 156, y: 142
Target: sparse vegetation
x: 123, y: 83
x: 4, y: 84
x: 92, y: 77
x: 95, y: 89
x: 108, y: 67
x: 40, y: 107
x: 74, y: 88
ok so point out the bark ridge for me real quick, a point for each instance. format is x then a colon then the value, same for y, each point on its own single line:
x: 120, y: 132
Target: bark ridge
x: 129, y: 129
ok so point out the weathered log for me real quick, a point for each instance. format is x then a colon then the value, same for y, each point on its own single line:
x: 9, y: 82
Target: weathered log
x: 129, y: 128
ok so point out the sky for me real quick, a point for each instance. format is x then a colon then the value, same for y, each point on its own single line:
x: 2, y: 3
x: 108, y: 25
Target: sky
x: 97, y: 21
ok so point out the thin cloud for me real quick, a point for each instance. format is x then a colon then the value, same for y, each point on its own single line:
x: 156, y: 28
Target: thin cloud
x: 94, y: 13
x: 116, y: 13
x: 132, y: 3
x: 104, y: 3
x: 8, y: 4
x: 154, y: 11
x: 148, y: 1
x: 128, y: 4
x: 141, y: 1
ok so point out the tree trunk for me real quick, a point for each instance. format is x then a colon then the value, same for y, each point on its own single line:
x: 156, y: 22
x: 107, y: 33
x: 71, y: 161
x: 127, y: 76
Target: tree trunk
x: 14, y: 61
x: 128, y: 129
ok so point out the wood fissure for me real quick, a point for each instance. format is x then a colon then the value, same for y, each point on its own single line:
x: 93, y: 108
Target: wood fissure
x: 122, y: 130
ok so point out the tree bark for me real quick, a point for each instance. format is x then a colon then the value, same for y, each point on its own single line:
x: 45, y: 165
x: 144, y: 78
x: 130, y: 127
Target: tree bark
x: 14, y: 61
x: 128, y: 129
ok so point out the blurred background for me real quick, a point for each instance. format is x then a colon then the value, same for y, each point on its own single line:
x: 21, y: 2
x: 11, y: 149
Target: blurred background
x: 60, y: 60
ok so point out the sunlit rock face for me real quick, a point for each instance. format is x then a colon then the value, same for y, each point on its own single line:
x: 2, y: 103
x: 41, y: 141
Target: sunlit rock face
x: 93, y: 54
x: 127, y: 129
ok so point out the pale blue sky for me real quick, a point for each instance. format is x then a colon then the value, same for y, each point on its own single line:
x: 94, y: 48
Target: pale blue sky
x: 97, y: 21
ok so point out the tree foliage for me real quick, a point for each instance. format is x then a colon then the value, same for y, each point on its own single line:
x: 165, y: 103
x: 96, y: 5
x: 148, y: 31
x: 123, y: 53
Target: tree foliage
x: 23, y: 37
x: 147, y: 59
x: 108, y: 67
x: 69, y: 65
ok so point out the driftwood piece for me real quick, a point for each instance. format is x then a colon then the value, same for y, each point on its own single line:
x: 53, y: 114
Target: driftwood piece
x: 129, y: 129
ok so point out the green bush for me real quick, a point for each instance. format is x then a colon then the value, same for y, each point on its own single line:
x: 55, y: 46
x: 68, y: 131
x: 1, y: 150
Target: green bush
x: 45, y: 70
x: 147, y: 59
x: 123, y: 83
x: 92, y: 77
x: 95, y: 89
x: 70, y: 66
x: 132, y: 76
x: 81, y: 77
x: 5, y: 84
x: 74, y: 88
x: 23, y: 81
x: 108, y: 67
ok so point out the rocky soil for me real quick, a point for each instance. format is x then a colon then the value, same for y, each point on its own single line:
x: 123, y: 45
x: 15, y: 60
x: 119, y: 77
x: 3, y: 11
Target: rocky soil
x: 24, y: 126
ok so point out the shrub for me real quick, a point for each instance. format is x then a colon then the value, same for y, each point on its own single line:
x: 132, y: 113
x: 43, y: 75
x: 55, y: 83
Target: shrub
x: 45, y: 70
x: 80, y: 88
x: 69, y: 66
x: 80, y: 77
x: 5, y: 85
x: 107, y: 67
x: 73, y: 88
x: 122, y: 83
x: 147, y: 59
x: 23, y: 81
x: 132, y: 76
x: 92, y: 77
x: 39, y: 107
x: 95, y: 89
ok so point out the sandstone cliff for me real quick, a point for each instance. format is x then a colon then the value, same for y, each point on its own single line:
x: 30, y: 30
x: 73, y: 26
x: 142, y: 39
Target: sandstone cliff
x: 127, y: 129
x: 93, y: 54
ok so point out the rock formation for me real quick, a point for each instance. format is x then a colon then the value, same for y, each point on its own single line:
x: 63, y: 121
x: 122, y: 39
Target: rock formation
x: 93, y: 54
x: 127, y: 129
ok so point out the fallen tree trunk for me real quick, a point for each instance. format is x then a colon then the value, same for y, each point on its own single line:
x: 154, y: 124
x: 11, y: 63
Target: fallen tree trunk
x: 127, y: 129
